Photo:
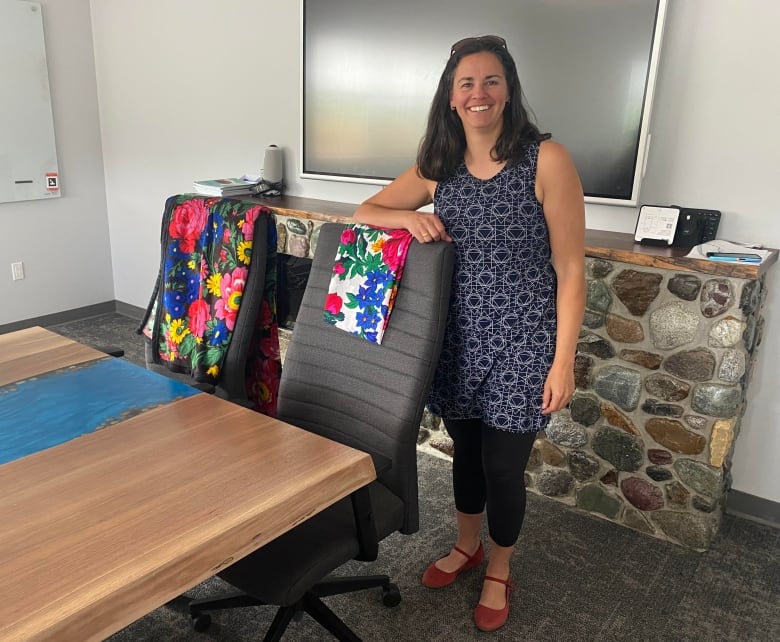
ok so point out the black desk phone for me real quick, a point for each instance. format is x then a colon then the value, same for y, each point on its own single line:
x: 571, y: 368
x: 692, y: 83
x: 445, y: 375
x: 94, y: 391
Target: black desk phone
x: 675, y: 226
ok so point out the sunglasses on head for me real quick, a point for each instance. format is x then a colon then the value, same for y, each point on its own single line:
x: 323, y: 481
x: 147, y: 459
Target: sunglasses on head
x: 491, y: 40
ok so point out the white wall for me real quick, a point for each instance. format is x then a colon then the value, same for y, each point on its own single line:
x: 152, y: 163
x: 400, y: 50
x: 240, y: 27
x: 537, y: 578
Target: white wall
x: 63, y: 242
x: 195, y: 89
x: 192, y: 90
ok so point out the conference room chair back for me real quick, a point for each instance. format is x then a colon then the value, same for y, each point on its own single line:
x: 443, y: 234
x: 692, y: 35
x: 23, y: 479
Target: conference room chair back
x: 231, y: 382
x: 364, y: 395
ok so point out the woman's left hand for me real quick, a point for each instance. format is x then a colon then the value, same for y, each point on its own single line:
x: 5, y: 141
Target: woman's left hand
x: 558, y: 388
x: 428, y: 228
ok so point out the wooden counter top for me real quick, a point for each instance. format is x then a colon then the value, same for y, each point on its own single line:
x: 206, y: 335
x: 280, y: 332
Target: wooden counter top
x: 618, y: 246
x: 614, y: 246
x: 310, y: 208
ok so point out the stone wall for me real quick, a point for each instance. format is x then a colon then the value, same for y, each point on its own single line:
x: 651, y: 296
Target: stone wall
x: 297, y: 236
x: 663, y: 364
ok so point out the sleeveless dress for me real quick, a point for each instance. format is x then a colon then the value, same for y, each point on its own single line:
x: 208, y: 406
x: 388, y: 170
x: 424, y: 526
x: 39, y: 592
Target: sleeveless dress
x: 499, y: 341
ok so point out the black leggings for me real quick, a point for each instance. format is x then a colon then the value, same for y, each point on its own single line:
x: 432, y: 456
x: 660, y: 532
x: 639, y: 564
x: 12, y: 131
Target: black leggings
x: 488, y: 469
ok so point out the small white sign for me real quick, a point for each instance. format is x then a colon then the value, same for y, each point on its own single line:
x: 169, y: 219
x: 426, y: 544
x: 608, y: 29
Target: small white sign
x: 656, y: 224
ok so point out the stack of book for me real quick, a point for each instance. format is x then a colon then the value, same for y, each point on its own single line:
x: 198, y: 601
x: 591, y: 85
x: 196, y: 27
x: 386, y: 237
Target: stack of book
x: 226, y: 186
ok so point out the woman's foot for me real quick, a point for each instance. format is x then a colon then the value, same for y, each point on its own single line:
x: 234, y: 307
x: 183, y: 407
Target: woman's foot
x: 445, y: 570
x: 494, y: 592
x: 493, y: 608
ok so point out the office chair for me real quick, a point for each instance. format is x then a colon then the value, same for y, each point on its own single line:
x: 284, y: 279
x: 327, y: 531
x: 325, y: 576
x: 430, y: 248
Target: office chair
x: 231, y: 382
x: 365, y: 395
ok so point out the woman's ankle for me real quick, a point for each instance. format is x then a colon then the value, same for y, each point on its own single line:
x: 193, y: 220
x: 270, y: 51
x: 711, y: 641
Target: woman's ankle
x: 470, y: 546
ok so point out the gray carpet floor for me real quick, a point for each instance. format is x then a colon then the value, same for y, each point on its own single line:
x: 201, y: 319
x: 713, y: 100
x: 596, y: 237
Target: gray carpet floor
x: 579, y: 578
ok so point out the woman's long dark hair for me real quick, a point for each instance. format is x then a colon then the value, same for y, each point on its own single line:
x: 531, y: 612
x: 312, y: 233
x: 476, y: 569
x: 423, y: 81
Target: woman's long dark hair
x: 442, y: 147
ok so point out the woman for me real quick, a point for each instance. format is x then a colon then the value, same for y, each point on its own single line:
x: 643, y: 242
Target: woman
x: 511, y: 202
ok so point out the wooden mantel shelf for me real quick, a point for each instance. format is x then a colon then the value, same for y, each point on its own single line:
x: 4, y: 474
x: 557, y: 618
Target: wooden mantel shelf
x: 618, y: 246
x: 308, y: 208
x: 613, y: 246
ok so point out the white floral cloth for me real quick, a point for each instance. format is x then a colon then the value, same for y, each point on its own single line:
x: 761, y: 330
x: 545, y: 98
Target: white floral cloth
x: 366, y: 273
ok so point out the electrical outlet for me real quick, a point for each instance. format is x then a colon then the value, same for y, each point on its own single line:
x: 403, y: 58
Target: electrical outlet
x: 17, y: 270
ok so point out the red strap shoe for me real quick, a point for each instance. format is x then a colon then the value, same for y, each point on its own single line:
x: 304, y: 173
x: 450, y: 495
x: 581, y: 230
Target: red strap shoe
x: 488, y: 619
x: 434, y: 577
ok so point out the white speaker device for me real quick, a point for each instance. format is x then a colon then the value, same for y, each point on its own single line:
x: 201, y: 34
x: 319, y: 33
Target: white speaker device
x: 272, y: 165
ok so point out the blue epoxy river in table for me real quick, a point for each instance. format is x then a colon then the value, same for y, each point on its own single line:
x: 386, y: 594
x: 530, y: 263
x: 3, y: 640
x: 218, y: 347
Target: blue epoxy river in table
x: 53, y: 408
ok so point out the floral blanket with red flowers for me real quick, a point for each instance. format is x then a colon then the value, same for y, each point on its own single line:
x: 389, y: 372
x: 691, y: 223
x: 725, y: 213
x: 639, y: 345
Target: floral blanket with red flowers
x: 206, y: 257
x: 368, y: 268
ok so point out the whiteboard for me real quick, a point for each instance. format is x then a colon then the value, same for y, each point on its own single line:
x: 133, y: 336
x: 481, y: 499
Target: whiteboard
x: 28, y: 155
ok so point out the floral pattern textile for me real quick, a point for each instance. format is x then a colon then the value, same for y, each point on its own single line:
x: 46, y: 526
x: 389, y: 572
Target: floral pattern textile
x: 368, y: 268
x: 206, y: 257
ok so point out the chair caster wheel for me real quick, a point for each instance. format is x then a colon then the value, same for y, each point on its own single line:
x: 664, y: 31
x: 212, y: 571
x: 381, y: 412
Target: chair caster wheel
x: 201, y: 622
x: 391, y: 596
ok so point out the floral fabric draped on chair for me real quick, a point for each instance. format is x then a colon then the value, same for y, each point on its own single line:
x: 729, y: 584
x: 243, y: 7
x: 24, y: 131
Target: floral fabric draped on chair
x: 367, y: 271
x: 207, y: 248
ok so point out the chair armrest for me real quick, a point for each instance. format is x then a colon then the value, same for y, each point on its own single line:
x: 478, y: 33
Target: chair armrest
x: 381, y: 463
x: 244, y: 402
x: 364, y: 512
x: 364, y: 522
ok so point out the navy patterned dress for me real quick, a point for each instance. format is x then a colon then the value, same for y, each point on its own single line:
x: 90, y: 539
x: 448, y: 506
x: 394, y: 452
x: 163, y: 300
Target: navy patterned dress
x: 500, y: 338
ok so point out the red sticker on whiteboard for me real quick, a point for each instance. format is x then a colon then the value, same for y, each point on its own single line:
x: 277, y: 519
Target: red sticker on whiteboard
x: 52, y: 181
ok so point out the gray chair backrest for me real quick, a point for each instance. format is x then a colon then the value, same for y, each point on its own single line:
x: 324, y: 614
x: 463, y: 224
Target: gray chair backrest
x: 232, y: 380
x: 362, y: 394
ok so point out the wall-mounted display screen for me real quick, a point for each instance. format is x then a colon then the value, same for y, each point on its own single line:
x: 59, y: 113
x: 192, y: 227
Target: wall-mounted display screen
x: 587, y: 67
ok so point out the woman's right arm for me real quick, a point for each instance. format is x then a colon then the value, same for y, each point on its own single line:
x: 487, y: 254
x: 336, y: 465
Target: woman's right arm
x: 396, y: 206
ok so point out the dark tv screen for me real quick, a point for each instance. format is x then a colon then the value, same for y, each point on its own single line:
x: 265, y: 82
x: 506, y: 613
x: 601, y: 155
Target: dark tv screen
x: 587, y: 67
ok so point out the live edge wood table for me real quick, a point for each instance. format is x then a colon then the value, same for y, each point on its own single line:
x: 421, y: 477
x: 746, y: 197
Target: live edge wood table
x: 120, y: 488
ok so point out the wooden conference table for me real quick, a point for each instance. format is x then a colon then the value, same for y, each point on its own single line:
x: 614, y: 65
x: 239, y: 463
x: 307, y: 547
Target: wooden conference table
x: 154, y: 488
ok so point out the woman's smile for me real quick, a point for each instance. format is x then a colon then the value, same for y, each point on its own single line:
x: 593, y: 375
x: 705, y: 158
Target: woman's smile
x: 480, y: 91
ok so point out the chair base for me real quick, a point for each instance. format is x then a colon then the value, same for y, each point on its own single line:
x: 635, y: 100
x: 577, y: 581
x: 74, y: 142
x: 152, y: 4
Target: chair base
x: 310, y: 603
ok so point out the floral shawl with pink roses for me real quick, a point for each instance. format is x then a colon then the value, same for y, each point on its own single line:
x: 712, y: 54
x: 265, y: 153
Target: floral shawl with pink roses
x: 366, y: 273
x: 206, y: 257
